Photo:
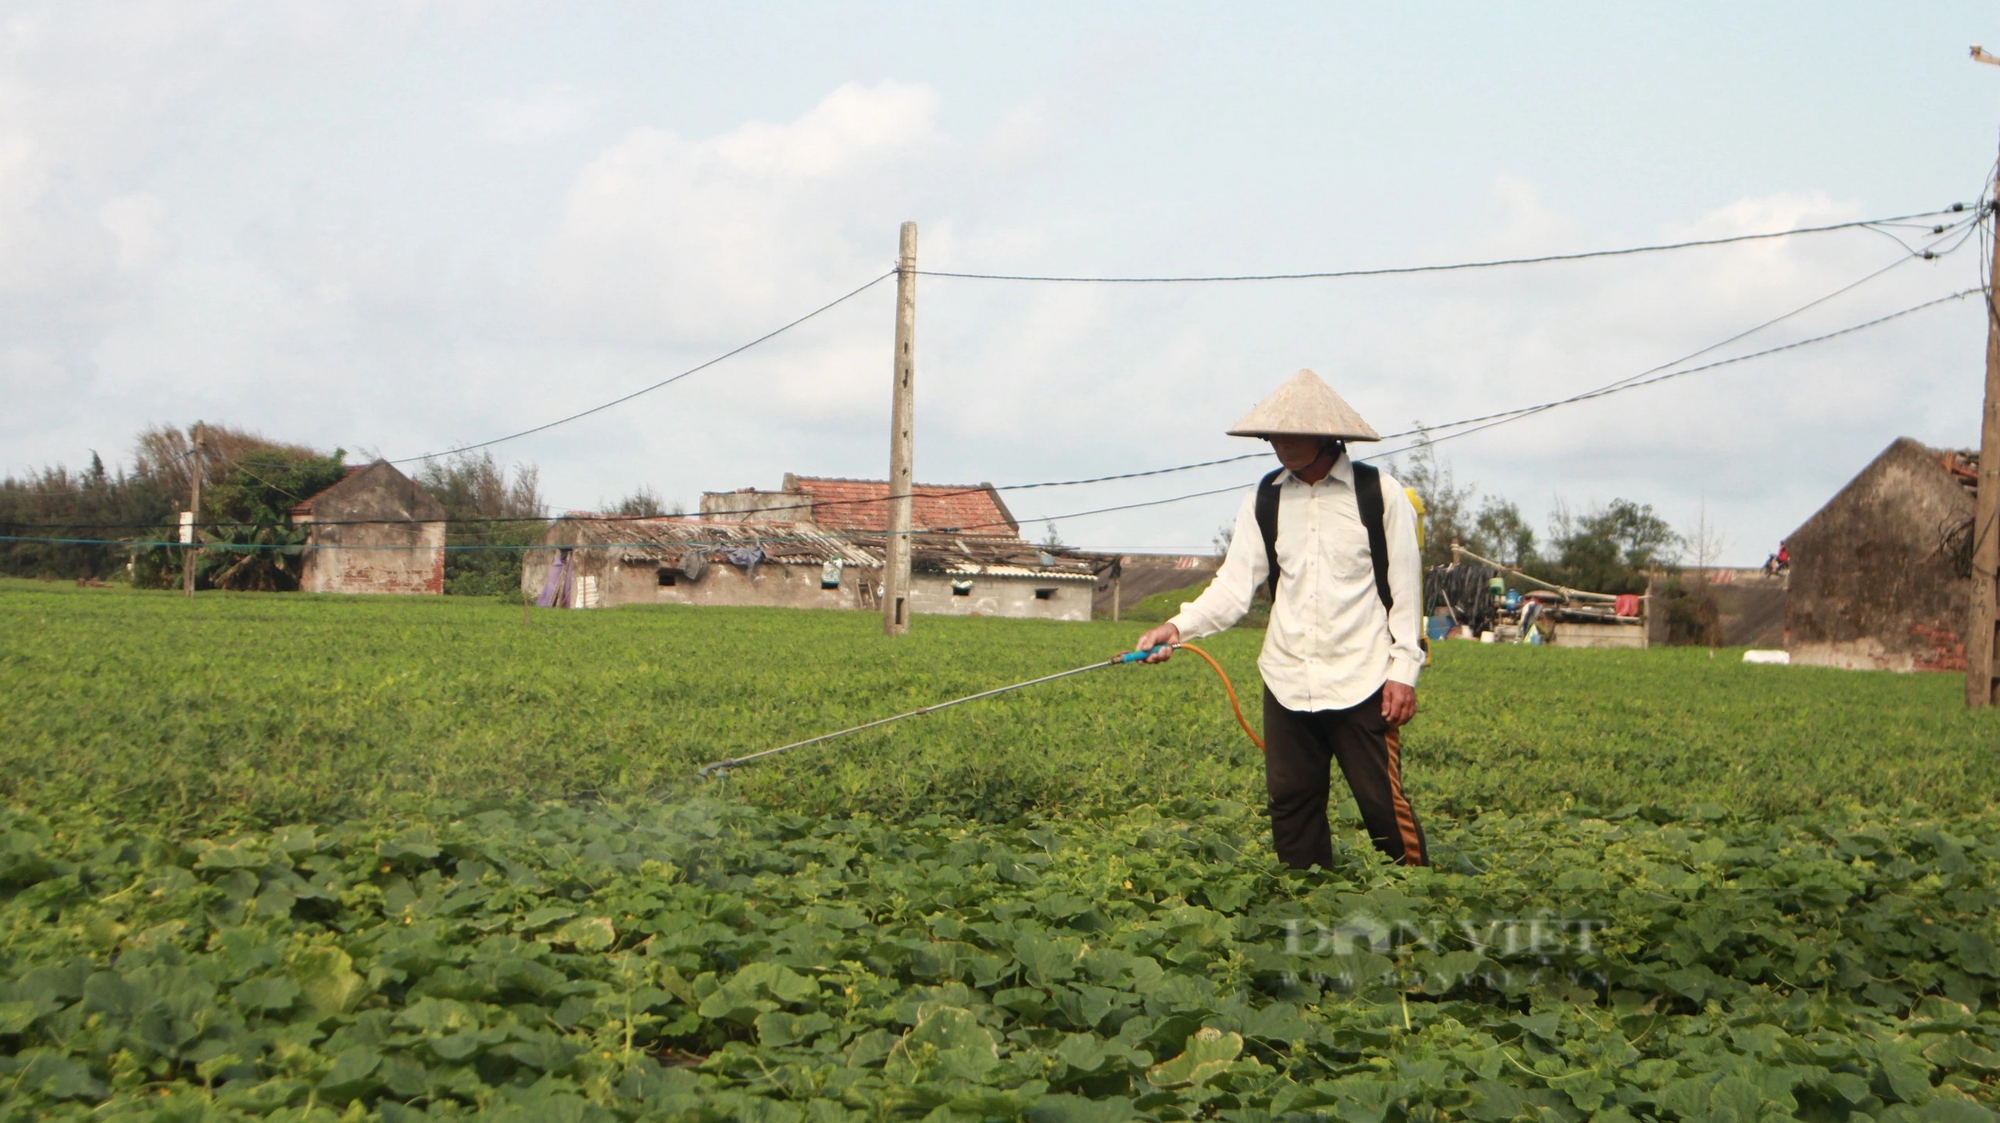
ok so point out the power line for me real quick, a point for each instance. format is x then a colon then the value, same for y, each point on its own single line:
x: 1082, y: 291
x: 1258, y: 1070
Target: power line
x: 1909, y: 255
x: 1426, y: 430
x: 240, y: 466
x: 1934, y: 230
x: 1620, y: 386
x: 225, y: 547
x: 1398, y: 270
x: 1517, y: 415
x: 715, y: 543
x: 1973, y: 224
x: 1387, y: 271
x: 772, y: 334
x: 1631, y: 382
x: 1603, y: 391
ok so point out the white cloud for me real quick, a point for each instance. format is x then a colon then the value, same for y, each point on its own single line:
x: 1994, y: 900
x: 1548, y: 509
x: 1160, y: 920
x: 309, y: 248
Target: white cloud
x: 178, y: 241
x: 135, y: 224
x: 543, y: 115
x: 667, y: 238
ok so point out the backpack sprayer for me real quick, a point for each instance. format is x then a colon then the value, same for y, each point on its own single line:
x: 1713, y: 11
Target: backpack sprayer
x: 721, y: 767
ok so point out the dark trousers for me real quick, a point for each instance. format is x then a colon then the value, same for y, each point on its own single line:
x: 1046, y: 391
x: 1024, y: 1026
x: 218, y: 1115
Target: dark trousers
x: 1299, y: 750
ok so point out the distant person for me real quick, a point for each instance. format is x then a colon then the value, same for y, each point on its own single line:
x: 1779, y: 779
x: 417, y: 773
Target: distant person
x: 1335, y: 542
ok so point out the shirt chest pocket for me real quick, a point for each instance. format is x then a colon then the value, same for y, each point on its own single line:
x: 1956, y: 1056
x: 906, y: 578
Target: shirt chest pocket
x: 1347, y: 555
x: 1323, y: 535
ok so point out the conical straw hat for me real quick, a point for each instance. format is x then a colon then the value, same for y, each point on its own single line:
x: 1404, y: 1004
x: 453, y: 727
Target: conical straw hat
x: 1304, y: 407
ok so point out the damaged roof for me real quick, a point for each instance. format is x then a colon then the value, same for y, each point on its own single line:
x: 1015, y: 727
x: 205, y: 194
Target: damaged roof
x: 668, y: 540
x: 971, y: 555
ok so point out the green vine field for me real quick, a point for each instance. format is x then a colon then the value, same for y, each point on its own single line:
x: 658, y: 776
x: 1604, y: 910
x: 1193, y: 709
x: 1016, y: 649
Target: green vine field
x: 292, y: 858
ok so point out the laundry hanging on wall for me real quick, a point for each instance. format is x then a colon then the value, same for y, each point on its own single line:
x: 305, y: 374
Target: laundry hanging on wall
x: 555, y: 587
x: 746, y: 558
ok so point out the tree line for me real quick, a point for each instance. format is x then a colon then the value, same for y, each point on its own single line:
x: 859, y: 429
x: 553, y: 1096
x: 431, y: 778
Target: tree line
x: 1616, y: 547
x: 101, y: 525
x: 122, y: 525
x: 1611, y: 548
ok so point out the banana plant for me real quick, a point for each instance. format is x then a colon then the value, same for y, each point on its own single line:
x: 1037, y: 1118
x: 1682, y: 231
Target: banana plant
x: 265, y: 557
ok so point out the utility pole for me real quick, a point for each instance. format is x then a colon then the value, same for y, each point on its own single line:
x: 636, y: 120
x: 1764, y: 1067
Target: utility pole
x: 902, y: 447
x: 190, y: 534
x: 1982, y: 637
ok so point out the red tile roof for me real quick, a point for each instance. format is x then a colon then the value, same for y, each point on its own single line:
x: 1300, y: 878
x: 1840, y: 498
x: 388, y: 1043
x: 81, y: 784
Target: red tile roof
x: 862, y: 506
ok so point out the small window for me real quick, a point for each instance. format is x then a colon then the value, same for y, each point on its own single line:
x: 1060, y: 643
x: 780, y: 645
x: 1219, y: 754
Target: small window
x: 1045, y: 594
x: 666, y: 576
x: 961, y: 588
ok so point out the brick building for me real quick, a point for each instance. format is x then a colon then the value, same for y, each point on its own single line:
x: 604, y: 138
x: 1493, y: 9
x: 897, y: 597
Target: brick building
x: 1881, y: 577
x: 375, y: 531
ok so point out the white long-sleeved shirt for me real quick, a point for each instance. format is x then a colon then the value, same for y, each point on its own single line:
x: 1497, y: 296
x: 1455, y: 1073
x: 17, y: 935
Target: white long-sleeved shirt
x: 1330, y: 644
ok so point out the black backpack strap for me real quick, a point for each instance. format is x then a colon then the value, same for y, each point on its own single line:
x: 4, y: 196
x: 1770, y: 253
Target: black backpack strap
x: 1368, y: 497
x: 1267, y: 522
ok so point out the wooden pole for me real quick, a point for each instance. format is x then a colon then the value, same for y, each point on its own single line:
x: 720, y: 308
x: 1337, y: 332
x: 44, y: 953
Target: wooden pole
x: 1982, y: 639
x: 902, y: 448
x: 194, y: 508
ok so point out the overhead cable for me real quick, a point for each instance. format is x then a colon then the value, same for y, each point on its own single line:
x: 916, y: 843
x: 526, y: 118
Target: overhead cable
x: 732, y: 352
x: 1529, y: 411
x: 1601, y: 392
x: 1912, y: 254
x: 1620, y: 387
x: 1631, y: 382
x: 1385, y: 271
x: 1429, y: 432
x: 1972, y: 226
x: 1398, y: 270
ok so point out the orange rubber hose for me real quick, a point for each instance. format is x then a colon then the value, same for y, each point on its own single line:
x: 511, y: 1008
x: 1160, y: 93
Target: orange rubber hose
x: 1231, y: 688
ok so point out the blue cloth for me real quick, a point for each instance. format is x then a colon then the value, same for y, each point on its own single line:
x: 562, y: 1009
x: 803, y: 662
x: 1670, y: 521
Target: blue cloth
x: 555, y: 588
x: 746, y: 558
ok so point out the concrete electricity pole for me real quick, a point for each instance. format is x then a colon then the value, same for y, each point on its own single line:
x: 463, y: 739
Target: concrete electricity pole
x: 1982, y: 637
x: 189, y: 532
x: 902, y: 448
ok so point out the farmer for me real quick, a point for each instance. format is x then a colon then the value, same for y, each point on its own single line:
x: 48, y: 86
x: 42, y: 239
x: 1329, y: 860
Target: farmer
x: 1335, y: 542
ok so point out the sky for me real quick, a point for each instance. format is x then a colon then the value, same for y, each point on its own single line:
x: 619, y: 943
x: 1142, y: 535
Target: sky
x: 402, y: 228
